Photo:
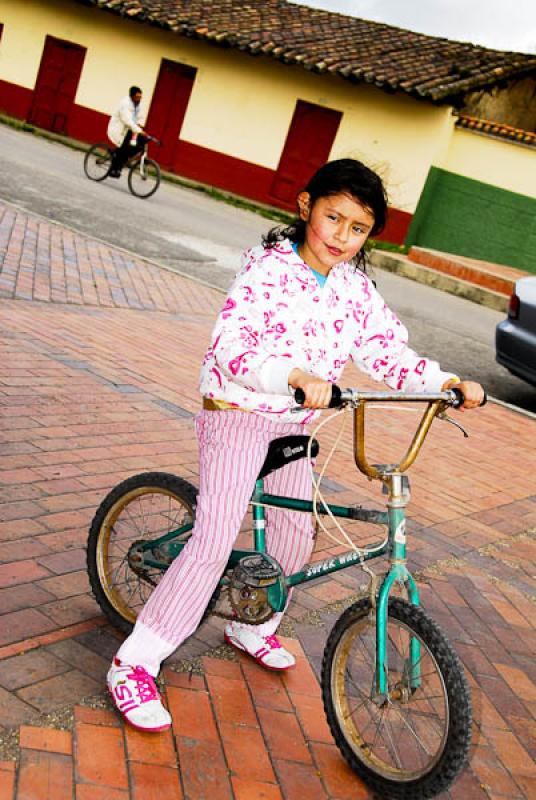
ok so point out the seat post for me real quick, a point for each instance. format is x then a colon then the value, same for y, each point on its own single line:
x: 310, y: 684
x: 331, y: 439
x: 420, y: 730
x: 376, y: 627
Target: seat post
x: 259, y: 522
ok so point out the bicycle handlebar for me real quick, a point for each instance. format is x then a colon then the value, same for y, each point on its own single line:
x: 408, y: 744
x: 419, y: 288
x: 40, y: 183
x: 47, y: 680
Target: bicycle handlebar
x: 436, y: 404
x: 151, y: 138
x: 341, y: 397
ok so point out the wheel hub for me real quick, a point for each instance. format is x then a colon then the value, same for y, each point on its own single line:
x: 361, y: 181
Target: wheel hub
x: 136, y: 558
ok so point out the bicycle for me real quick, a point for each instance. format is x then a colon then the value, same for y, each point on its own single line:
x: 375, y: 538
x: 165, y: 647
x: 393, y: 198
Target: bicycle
x: 143, y: 172
x: 394, y: 691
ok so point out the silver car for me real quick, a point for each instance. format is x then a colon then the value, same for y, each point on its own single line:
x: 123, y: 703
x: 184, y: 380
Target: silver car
x: 515, y: 338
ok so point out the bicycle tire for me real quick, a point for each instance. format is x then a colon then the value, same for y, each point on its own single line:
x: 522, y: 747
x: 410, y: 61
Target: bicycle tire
x: 98, y: 162
x: 349, y: 716
x: 144, y: 186
x: 159, y: 501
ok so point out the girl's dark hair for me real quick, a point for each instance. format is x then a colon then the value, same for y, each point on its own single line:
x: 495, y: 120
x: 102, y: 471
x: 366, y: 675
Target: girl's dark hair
x: 344, y: 176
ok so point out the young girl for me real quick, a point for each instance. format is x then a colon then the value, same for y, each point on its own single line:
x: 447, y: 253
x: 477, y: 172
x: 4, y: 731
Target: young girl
x: 299, y: 308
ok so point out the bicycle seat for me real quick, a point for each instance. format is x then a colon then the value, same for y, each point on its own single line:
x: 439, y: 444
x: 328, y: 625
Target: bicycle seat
x: 284, y: 450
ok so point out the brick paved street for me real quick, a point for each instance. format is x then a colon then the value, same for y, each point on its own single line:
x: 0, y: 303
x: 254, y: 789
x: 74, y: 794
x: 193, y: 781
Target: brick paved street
x: 99, y: 356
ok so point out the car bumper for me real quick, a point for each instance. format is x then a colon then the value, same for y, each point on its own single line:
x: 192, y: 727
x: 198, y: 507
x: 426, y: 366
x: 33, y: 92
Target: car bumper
x: 516, y: 350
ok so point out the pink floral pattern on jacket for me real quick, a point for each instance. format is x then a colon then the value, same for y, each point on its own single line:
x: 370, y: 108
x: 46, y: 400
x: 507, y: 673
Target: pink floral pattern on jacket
x: 277, y: 317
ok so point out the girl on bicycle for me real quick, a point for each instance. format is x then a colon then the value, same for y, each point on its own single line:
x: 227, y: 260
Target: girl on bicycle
x: 300, y: 307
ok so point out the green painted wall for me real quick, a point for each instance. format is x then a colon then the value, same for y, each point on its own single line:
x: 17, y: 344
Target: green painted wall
x: 469, y: 218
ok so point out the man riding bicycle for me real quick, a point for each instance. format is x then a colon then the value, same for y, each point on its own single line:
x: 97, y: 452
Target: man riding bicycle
x: 125, y: 130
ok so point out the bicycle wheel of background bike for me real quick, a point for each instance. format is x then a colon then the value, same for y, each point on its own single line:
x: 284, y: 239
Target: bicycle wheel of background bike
x: 143, y: 182
x: 141, y: 508
x: 98, y: 162
x: 415, y: 744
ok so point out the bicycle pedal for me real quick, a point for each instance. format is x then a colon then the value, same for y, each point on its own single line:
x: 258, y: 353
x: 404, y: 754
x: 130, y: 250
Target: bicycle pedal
x: 257, y: 570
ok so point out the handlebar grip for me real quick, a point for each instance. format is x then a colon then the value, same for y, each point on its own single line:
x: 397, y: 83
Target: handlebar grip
x: 335, y: 402
x: 460, y: 398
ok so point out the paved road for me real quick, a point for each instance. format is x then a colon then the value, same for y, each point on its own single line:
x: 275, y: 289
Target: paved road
x: 190, y: 232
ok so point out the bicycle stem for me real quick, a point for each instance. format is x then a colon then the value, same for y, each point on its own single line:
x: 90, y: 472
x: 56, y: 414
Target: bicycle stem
x: 373, y: 471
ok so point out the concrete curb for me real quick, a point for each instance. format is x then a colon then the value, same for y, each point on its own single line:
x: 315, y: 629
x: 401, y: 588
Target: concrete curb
x: 510, y: 407
x: 401, y: 265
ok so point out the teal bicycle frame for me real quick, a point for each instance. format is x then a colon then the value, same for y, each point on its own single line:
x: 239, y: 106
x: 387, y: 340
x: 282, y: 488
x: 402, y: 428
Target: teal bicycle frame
x: 397, y: 487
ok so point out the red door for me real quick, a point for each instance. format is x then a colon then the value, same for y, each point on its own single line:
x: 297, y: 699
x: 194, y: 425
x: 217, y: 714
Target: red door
x: 56, y: 85
x: 168, y: 107
x: 308, y: 145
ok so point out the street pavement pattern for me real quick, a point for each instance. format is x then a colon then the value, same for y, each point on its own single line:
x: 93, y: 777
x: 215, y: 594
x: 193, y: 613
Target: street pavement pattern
x: 99, y: 357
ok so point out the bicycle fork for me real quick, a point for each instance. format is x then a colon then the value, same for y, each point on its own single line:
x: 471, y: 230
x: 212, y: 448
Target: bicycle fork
x: 397, y: 486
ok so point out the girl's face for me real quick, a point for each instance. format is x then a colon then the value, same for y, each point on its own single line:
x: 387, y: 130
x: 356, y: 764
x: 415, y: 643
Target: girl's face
x: 336, y: 229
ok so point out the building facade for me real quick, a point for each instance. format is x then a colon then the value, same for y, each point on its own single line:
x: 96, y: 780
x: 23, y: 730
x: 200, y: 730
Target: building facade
x: 257, y: 127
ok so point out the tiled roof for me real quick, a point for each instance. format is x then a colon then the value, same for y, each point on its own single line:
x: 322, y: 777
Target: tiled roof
x: 496, y: 129
x: 358, y: 50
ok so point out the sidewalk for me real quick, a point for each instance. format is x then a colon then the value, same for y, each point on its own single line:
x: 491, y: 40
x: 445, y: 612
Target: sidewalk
x: 99, y: 355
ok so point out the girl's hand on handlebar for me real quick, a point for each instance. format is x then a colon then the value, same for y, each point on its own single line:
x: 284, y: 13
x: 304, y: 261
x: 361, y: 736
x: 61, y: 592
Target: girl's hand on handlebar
x: 473, y: 393
x: 317, y: 390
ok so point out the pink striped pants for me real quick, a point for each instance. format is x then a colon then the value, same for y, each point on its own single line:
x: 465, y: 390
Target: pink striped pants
x: 232, y: 449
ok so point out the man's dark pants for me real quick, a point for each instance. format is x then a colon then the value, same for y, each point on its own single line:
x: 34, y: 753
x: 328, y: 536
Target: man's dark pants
x: 127, y: 151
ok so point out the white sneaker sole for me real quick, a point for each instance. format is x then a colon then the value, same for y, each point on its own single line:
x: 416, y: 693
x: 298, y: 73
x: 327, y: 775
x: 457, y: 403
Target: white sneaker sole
x: 259, y: 659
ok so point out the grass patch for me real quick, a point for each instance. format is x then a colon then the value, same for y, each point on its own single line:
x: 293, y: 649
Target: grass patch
x: 379, y: 244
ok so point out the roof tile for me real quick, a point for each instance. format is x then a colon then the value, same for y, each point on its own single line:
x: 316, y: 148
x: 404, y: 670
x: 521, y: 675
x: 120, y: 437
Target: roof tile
x: 355, y: 49
x: 496, y: 129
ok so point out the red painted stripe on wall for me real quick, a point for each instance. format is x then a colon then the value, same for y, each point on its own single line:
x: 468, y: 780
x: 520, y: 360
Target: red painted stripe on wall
x: 87, y: 125
x: 226, y: 172
x: 15, y: 100
x: 191, y: 161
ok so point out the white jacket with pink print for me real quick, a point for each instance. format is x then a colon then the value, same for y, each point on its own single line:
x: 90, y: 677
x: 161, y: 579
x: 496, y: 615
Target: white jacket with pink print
x: 277, y: 317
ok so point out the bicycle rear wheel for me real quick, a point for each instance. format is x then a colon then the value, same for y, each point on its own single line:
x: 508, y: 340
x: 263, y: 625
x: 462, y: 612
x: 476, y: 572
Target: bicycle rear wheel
x: 412, y: 745
x: 139, y: 509
x: 144, y: 178
x: 98, y: 162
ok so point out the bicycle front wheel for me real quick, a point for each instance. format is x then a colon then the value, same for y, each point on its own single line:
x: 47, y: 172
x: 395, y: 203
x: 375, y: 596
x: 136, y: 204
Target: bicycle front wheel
x: 414, y: 742
x: 98, y: 162
x: 138, y: 510
x: 144, y: 178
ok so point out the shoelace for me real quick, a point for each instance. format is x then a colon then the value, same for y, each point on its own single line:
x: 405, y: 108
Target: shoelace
x: 145, y: 685
x: 272, y: 642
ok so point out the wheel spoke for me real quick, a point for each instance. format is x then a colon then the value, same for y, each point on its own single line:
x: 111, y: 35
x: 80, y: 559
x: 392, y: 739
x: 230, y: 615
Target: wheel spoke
x: 411, y: 730
x: 394, y: 750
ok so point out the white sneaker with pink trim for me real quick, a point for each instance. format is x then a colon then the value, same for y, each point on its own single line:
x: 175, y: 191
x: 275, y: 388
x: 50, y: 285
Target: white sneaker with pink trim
x: 136, y: 697
x: 266, y: 650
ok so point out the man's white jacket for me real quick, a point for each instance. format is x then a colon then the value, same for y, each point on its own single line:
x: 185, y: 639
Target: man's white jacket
x: 128, y: 117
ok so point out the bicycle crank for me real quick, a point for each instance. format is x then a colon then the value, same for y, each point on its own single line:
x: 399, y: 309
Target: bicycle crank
x: 257, y: 589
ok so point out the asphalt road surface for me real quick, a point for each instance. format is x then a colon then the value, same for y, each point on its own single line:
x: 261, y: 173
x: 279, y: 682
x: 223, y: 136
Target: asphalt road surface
x: 188, y: 231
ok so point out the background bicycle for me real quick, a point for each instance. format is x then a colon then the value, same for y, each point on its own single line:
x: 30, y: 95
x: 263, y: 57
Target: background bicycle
x: 143, y: 172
